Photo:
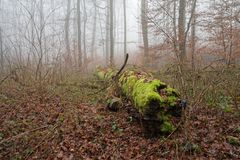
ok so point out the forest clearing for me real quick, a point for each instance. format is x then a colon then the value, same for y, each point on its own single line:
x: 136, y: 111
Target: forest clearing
x: 119, y: 79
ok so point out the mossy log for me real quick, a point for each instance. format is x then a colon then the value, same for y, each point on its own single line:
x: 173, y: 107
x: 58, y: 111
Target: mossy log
x: 152, y: 98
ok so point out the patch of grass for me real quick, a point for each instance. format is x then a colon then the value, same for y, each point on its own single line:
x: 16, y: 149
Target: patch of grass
x: 7, y: 100
x: 233, y: 140
x: 238, y: 130
x: 1, y: 136
x: 99, y: 117
x: 224, y: 104
x: 192, y: 147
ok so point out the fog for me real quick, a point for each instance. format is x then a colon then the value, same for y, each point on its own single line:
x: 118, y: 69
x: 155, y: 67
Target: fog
x: 19, y: 17
x: 47, y: 32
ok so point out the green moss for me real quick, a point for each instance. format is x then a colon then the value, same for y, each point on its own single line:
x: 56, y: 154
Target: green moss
x: 172, y: 92
x: 102, y: 73
x: 172, y: 101
x: 146, y: 93
x: 150, y: 96
x: 127, y: 87
x: 109, y: 73
x: 162, y: 116
x: 167, y: 127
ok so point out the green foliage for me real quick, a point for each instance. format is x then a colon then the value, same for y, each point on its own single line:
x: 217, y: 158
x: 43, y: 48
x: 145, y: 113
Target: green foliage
x: 61, y: 118
x: 130, y: 119
x: 238, y: 129
x: 99, y: 117
x: 115, y: 127
x: 17, y: 157
x: 233, y: 140
x: 167, y: 127
x: 192, y: 147
x: 224, y: 103
x: 103, y: 73
x: 7, y: 100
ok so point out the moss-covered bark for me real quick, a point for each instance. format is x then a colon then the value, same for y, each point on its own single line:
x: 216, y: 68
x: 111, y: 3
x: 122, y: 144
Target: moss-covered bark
x: 153, y: 99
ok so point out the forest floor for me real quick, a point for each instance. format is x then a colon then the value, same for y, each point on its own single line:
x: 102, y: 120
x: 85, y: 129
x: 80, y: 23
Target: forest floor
x: 65, y: 122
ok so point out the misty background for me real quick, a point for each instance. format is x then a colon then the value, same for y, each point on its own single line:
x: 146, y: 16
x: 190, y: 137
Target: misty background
x: 45, y: 33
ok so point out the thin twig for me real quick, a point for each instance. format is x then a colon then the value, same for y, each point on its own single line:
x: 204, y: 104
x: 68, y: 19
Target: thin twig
x: 41, y: 142
x: 114, y: 78
x: 22, y: 134
x: 5, y: 78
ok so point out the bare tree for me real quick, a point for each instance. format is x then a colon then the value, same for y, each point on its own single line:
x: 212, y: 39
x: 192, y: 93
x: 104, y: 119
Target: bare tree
x: 181, y: 30
x: 67, y: 20
x: 111, y: 32
x: 84, y: 32
x: 1, y: 46
x: 79, y: 34
x: 1, y: 52
x: 144, y: 22
x: 94, y: 29
x: 223, y: 29
x: 107, y: 31
x: 175, y: 38
x: 193, y: 33
x: 40, y: 38
x: 125, y: 27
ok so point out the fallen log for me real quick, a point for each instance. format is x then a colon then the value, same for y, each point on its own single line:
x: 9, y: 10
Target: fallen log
x: 155, y: 101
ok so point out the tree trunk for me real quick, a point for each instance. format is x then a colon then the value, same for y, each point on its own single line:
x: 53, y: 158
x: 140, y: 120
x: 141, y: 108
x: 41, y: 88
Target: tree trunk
x: 84, y: 33
x: 1, y: 46
x: 67, y: 28
x: 125, y: 27
x: 74, y: 27
x: 175, y: 29
x: 94, y: 30
x: 181, y: 30
x: 107, y: 32
x: 79, y: 36
x: 230, y: 54
x: 41, y: 45
x: 193, y: 33
x: 144, y: 21
x: 1, y: 52
x: 111, y: 33
x: 153, y: 99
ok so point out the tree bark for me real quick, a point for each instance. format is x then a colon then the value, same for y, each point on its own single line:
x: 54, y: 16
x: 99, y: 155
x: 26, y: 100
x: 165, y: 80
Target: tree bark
x: 107, y: 32
x: 1, y: 47
x: 144, y: 22
x: 125, y: 27
x: 193, y: 33
x: 175, y: 29
x: 1, y: 52
x: 94, y: 30
x: 41, y: 44
x: 79, y: 36
x: 153, y: 99
x: 111, y: 33
x: 181, y: 30
x: 67, y: 27
x: 84, y: 33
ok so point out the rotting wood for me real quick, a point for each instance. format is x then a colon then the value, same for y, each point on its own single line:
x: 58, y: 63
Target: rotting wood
x: 155, y: 101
